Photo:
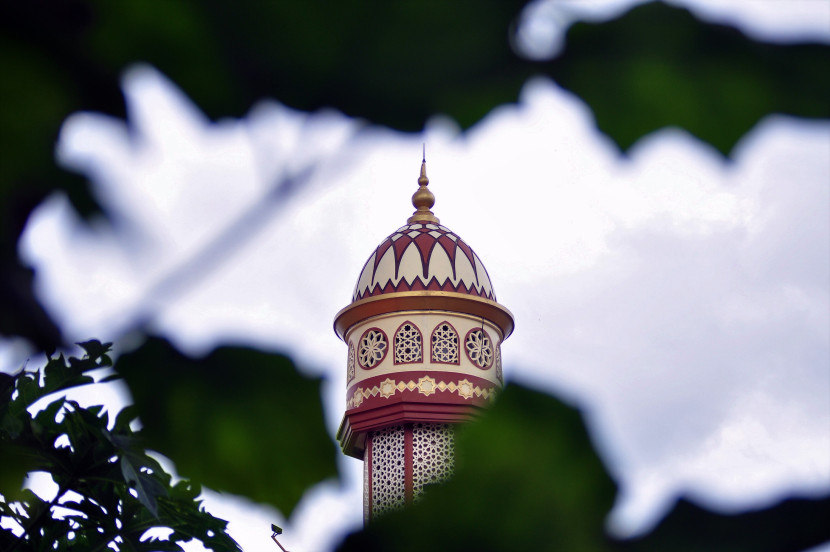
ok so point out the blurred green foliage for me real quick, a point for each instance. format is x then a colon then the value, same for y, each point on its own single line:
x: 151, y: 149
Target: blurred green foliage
x: 110, y: 491
x: 392, y: 63
x: 238, y: 420
x: 658, y: 66
x: 528, y: 479
x: 228, y: 418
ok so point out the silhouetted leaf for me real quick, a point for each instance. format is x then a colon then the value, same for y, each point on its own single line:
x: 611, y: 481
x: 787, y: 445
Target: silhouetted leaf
x: 16, y: 462
x: 58, y: 376
x: 527, y: 478
x: 20, y: 312
x: 238, y: 420
x: 791, y: 526
x: 125, y: 417
x: 658, y: 66
x: 46, y: 421
x: 97, y: 350
x: 147, y: 487
x: 110, y: 490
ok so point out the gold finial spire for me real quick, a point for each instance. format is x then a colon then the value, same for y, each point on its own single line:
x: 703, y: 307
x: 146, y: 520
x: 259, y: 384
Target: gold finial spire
x: 422, y: 199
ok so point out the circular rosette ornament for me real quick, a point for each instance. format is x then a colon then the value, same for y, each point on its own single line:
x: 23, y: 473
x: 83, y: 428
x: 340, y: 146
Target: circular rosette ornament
x: 479, y: 348
x: 373, y: 348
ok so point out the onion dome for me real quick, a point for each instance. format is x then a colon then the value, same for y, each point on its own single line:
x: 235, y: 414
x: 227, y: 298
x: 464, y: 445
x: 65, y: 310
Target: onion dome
x: 424, y: 335
x: 427, y: 261
x: 423, y: 256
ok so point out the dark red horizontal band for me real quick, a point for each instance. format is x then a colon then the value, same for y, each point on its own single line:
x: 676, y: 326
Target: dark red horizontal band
x: 357, y: 423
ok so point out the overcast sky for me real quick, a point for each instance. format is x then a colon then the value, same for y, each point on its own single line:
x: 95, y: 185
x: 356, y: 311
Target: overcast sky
x: 680, y: 299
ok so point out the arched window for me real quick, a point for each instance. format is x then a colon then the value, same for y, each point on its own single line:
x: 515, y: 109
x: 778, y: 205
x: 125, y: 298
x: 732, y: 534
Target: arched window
x: 479, y: 348
x: 408, y: 344
x: 373, y: 347
x: 445, y: 344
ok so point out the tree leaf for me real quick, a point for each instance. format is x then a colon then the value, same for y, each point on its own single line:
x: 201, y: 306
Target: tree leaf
x: 792, y: 525
x: 238, y: 420
x: 115, y: 490
x: 124, y: 418
x: 527, y: 478
x: 58, y: 377
x: 45, y: 421
x: 95, y: 349
x: 147, y: 486
x: 658, y: 66
x: 16, y: 462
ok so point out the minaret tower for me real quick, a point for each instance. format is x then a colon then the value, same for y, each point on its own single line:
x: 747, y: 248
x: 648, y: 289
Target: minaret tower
x: 424, y: 333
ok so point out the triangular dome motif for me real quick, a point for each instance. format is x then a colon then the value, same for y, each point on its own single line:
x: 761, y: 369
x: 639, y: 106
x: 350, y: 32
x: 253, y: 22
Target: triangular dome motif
x: 423, y: 256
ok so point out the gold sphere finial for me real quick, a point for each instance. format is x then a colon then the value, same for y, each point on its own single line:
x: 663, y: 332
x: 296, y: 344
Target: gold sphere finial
x: 422, y: 199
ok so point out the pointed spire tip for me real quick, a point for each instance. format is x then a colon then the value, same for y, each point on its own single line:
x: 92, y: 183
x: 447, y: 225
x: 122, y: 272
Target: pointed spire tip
x: 423, y: 199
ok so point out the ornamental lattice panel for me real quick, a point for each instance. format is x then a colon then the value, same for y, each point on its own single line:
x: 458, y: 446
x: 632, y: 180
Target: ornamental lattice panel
x: 432, y: 455
x: 388, y: 471
x: 366, y: 503
x: 350, y: 364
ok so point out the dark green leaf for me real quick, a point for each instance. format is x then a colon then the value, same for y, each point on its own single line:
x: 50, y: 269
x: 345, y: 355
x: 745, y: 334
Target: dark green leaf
x: 147, y: 486
x: 28, y: 392
x: 95, y: 349
x: 7, y: 538
x: 6, y: 387
x: 45, y: 421
x: 791, y: 526
x: 658, y: 66
x: 120, y: 491
x: 238, y: 420
x: 185, y: 490
x: 125, y: 418
x: 527, y: 478
x: 16, y: 462
x: 13, y: 424
x: 86, y: 507
x: 394, y: 63
x: 59, y: 377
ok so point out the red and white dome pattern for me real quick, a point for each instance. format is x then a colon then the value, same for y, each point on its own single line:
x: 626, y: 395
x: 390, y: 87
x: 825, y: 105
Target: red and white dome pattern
x: 423, y: 256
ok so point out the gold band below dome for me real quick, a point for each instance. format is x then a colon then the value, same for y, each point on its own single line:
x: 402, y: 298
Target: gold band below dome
x: 423, y: 301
